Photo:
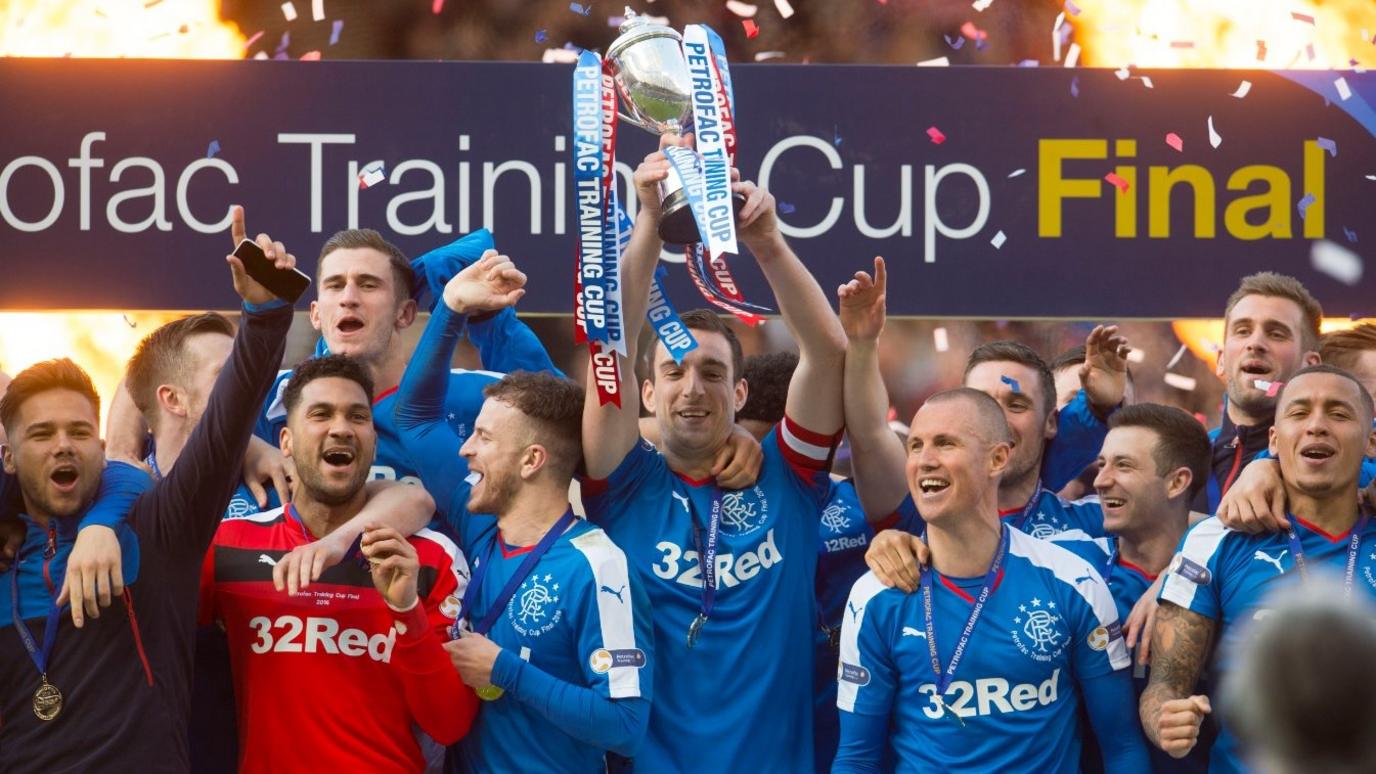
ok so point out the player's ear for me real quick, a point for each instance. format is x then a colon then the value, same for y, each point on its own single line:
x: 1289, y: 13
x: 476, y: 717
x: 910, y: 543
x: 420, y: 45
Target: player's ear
x: 315, y: 316
x: 7, y: 455
x: 533, y: 460
x: 1179, y: 482
x: 999, y: 454
x: 284, y: 441
x: 742, y: 391
x: 647, y: 394
x: 171, y: 400
x: 406, y: 313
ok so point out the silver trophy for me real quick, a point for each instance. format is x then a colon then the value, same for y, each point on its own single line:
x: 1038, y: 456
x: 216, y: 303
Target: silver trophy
x: 657, y: 96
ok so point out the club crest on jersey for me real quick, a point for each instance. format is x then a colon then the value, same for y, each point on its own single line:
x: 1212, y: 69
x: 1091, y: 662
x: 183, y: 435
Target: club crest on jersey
x: 1043, y: 528
x: 533, y: 609
x: 603, y: 661
x: 1040, y: 637
x: 239, y: 507
x: 744, y: 512
x: 1190, y: 570
x: 835, y: 519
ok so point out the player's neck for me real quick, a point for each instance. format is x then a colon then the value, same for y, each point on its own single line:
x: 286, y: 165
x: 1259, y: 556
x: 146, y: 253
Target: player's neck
x: 388, y: 367
x: 1240, y: 417
x: 321, y: 518
x: 696, y: 466
x: 168, y: 443
x: 964, y: 546
x: 1016, y: 493
x: 533, y: 510
x: 1153, y: 548
x: 1333, y: 513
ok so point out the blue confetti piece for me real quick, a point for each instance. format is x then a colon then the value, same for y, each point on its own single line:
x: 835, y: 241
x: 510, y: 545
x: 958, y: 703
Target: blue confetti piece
x: 980, y: 44
x: 1030, y: 63
x: 1075, y: 87
x: 539, y: 36
x: 213, y: 149
x: 789, y: 209
x: 1011, y: 382
x: 1328, y: 145
x: 1305, y: 203
x: 955, y: 43
x: 580, y: 9
x: 835, y: 137
x: 286, y: 41
x: 1350, y: 234
x: 334, y: 31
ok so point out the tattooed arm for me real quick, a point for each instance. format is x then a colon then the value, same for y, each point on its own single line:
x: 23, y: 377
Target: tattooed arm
x: 1171, y: 715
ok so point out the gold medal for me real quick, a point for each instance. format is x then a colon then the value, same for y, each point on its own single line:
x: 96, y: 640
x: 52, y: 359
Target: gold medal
x: 47, y: 700
x: 490, y: 693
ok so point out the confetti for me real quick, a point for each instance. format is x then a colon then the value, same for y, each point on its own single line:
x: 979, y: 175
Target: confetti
x: 1305, y: 203
x: 1147, y: 82
x: 1072, y: 57
x: 1029, y: 63
x: 1301, y: 17
x: 1071, y: 8
x: 1344, y: 91
x: 1261, y: 51
x: 335, y: 29
x: 311, y: 56
x: 1179, y: 353
x: 577, y: 8
x: 981, y: 5
x: 1309, y: 51
x: 766, y: 55
x: 289, y: 11
x: 436, y: 7
x: 213, y: 149
x: 969, y: 30
x: 1371, y: 177
x: 1118, y: 182
x: 1016, y: 173
x: 1123, y: 73
x: 752, y: 30
x: 1182, y: 44
x: 1272, y: 389
x: 284, y: 42
x: 540, y: 36
x: 1136, y: 356
x: 1350, y: 234
x: 318, y: 10
x: 954, y: 42
x: 129, y: 322
x: 1328, y: 145
x: 1180, y: 382
x: 1075, y: 87
x: 836, y: 137
x: 371, y: 175
x: 261, y: 55
x: 1173, y: 140
x: 940, y: 61
x: 253, y: 39
x: 1336, y: 261
x: 1214, y: 138
x: 998, y: 240
x: 559, y: 56
x: 1057, y: 36
x: 782, y: 6
x: 940, y: 340
x: 1011, y: 382
x: 786, y: 208
x: 1242, y: 90
x: 936, y: 135
x: 745, y: 10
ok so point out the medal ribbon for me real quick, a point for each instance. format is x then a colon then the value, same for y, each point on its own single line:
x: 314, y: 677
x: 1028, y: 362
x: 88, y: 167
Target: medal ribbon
x: 708, y: 556
x: 1019, y: 522
x: 470, y: 595
x: 664, y: 319
x: 1354, y: 547
x: 40, y: 656
x: 943, y: 678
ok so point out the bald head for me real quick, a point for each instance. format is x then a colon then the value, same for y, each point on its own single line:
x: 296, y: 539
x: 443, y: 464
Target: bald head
x: 987, y: 414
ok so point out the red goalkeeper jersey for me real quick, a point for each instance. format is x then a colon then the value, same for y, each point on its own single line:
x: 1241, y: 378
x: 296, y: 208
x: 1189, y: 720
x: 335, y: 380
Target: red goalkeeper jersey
x: 333, y: 679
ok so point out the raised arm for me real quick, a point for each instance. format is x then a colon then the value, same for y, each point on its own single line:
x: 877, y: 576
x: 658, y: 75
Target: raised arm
x: 877, y: 454
x: 611, y: 431
x: 1171, y: 714
x: 126, y: 433
x: 814, y: 394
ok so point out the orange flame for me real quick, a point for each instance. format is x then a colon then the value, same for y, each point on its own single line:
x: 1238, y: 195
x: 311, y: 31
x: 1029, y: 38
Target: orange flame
x: 1259, y: 34
x: 154, y: 29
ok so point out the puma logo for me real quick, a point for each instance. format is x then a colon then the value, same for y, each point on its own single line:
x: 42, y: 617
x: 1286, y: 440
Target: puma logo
x: 683, y: 499
x: 853, y: 612
x: 1082, y: 578
x: 615, y: 593
x: 909, y: 631
x: 268, y: 560
x: 1264, y: 557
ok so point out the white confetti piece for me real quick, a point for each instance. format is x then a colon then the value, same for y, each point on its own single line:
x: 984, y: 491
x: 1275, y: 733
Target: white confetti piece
x: 264, y: 55
x: 785, y: 10
x: 1016, y: 173
x: 1344, y: 91
x: 289, y: 11
x: 1214, y: 138
x: 1056, y: 37
x: 940, y: 339
x: 1123, y: 73
x: 559, y: 56
x: 743, y: 10
x: 1368, y: 177
x: 998, y: 240
x: 1072, y: 57
x: 940, y: 61
x: 981, y: 5
x: 1242, y: 89
x: 1179, y: 353
x: 318, y: 10
x: 371, y: 175
x: 767, y: 55
x: 1136, y: 356
x: 1147, y: 82
x: 1336, y: 261
x: 1180, y: 382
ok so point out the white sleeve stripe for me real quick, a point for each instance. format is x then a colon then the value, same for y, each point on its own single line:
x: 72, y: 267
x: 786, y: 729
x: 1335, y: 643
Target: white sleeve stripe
x: 1067, y: 567
x: 277, y: 409
x: 809, y: 450
x: 462, y: 371
x: 616, y: 614
x: 458, y: 562
x: 264, y: 516
x: 860, y: 594
x: 1201, y: 543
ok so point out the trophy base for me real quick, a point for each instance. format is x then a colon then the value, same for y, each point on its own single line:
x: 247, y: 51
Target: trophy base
x: 677, y: 226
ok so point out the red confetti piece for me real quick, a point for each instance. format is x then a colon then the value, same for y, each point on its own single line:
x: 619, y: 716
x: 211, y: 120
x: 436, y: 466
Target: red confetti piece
x: 1118, y: 182
x: 1174, y: 141
x: 437, y: 6
x: 254, y: 39
x: 1261, y: 50
x: 752, y: 30
x: 969, y: 30
x: 937, y: 136
x: 311, y: 56
x: 1301, y: 17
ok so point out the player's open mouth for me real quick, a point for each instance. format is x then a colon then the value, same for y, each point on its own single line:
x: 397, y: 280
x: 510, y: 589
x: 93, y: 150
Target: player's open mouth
x: 64, y: 477
x: 338, y: 457
x: 694, y: 413
x: 349, y: 325
x: 1112, y: 502
x: 932, y: 485
x: 1256, y: 368
x: 1317, y: 453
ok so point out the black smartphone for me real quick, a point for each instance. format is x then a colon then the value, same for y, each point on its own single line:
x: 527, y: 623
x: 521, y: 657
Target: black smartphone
x: 286, y: 284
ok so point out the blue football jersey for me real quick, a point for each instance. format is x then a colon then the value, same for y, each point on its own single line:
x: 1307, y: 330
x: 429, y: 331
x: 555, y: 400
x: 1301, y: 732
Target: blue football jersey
x: 1048, y: 514
x: 577, y: 617
x: 1126, y: 581
x: 1227, y: 576
x: 1048, y: 625
x: 741, y: 698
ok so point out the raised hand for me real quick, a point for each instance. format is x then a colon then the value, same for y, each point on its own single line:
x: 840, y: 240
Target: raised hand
x: 1178, y: 724
x: 863, y: 303
x: 758, y: 222
x: 491, y: 283
x: 1104, y: 374
x: 395, y: 565
x: 249, y: 289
